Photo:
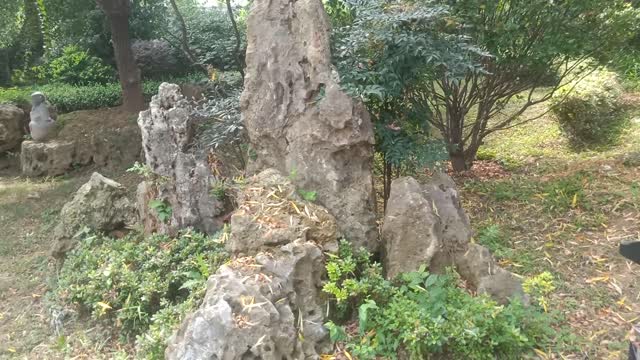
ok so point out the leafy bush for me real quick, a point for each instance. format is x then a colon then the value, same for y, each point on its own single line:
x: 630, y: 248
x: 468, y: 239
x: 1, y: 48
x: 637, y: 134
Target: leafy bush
x: 539, y: 287
x: 627, y: 64
x: 73, y: 66
x: 139, y: 283
x: 422, y: 315
x: 590, y: 114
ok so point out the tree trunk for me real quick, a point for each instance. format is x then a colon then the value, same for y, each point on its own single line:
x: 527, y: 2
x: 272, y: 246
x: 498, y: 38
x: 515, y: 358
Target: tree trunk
x: 458, y: 162
x: 5, y: 73
x: 117, y: 11
x: 238, y: 41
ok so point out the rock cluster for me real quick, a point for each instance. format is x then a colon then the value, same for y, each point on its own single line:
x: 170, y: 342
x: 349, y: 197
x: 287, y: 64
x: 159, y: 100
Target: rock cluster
x: 101, y: 204
x: 183, y: 179
x: 426, y: 225
x: 265, y: 304
x: 299, y: 120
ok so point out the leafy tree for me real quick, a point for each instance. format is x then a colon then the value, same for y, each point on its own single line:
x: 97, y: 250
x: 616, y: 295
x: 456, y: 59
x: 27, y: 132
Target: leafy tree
x: 383, y: 51
x: 208, y: 34
x: 417, y: 58
x: 28, y: 45
x: 536, y: 47
x: 117, y: 11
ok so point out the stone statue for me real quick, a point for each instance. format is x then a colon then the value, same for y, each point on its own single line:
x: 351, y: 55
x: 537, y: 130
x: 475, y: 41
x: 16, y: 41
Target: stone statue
x: 41, y: 125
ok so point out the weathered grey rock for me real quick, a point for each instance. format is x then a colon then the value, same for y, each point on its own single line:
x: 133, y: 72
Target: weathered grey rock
x: 184, y: 179
x: 298, y: 119
x: 426, y: 225
x: 270, y: 213
x: 10, y: 127
x: 50, y: 158
x: 42, y: 124
x: 101, y: 204
x: 267, y: 305
x: 264, y: 307
x: 411, y: 229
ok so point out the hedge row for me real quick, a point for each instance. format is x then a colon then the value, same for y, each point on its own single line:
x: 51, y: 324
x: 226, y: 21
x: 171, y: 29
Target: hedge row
x: 67, y: 98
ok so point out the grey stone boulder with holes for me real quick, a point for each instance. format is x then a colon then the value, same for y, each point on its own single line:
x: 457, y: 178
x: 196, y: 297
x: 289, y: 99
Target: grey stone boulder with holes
x: 49, y: 158
x: 426, y: 225
x: 186, y: 179
x: 101, y: 204
x: 411, y: 229
x: 11, y: 118
x: 300, y: 121
x: 267, y: 302
x: 262, y: 307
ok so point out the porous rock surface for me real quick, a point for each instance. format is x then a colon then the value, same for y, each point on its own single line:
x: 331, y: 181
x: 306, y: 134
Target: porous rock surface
x: 262, y: 307
x: 298, y: 119
x: 266, y: 303
x: 426, y: 225
x: 11, y: 118
x: 49, y: 158
x: 184, y: 179
x: 271, y: 213
x: 101, y: 204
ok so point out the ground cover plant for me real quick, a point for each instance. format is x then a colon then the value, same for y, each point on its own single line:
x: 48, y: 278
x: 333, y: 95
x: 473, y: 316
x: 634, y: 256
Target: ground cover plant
x: 423, y: 316
x: 141, y: 286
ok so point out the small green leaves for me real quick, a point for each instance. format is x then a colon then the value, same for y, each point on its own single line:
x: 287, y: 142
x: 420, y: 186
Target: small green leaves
x: 308, y: 195
x: 162, y: 209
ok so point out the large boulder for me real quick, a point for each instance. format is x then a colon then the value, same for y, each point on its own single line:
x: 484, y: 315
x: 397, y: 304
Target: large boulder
x: 263, y: 307
x: 426, y: 225
x: 11, y: 118
x: 183, y: 178
x: 299, y: 120
x: 266, y: 303
x: 101, y: 204
x: 49, y: 158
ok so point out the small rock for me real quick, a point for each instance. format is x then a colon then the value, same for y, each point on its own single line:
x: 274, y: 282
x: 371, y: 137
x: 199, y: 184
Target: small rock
x: 606, y: 168
x: 101, y: 204
x: 264, y: 221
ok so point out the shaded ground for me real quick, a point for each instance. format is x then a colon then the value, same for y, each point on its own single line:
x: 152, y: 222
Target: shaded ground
x: 29, y: 210
x: 566, y: 213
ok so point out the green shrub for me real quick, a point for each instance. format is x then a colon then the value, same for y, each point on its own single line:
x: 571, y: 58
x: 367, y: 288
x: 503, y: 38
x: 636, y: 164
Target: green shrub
x: 67, y: 98
x: 590, y: 114
x: 141, y: 285
x: 627, y: 63
x: 76, y: 67
x: 426, y: 316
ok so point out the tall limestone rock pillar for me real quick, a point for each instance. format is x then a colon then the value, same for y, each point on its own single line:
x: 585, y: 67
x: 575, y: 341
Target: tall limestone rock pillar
x: 299, y: 120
